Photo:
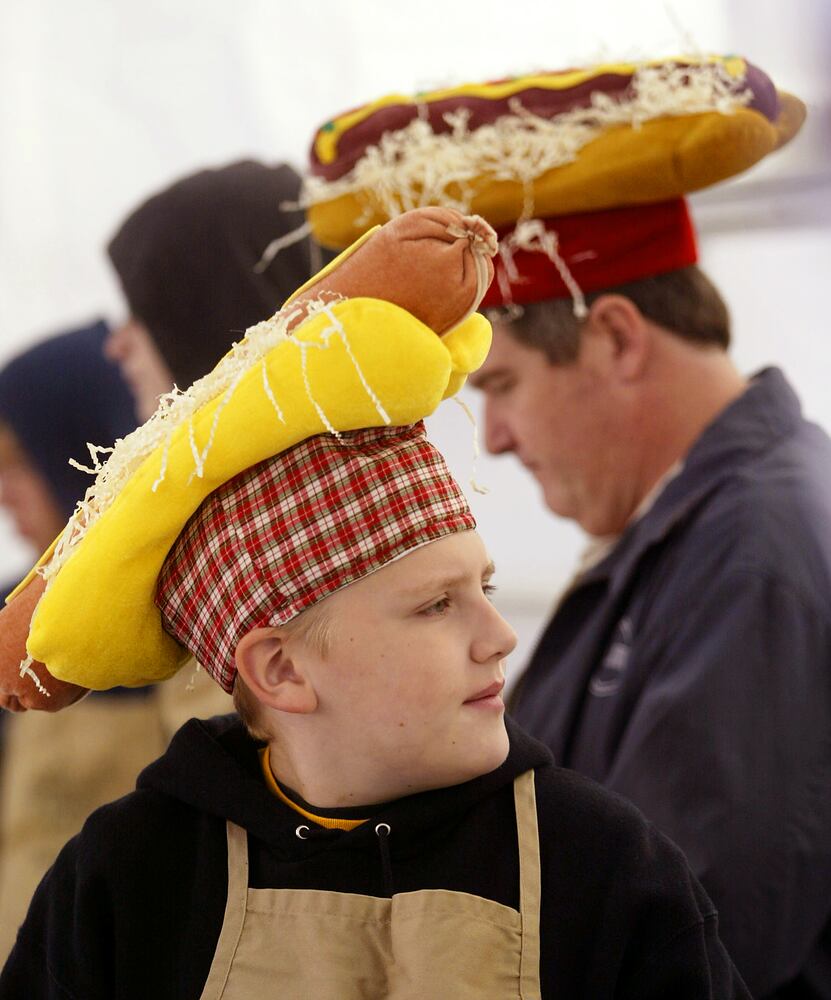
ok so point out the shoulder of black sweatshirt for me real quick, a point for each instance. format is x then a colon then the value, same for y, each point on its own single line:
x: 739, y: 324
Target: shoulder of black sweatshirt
x: 134, y: 905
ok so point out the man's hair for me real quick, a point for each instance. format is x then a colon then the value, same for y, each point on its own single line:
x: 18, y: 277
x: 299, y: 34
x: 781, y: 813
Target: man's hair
x: 315, y: 627
x: 685, y: 302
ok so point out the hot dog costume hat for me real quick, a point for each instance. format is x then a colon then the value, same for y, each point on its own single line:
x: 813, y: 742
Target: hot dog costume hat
x: 582, y: 172
x: 295, y: 467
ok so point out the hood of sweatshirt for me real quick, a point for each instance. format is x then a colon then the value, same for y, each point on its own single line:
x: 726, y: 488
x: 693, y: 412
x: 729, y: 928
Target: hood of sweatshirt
x: 213, y: 766
x: 187, y: 260
x: 59, y: 395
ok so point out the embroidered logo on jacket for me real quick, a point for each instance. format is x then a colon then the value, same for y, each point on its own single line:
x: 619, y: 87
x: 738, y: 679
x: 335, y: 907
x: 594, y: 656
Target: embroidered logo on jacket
x: 609, y: 676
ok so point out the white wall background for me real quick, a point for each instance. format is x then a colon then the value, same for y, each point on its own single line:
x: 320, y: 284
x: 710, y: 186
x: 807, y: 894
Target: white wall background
x: 103, y: 101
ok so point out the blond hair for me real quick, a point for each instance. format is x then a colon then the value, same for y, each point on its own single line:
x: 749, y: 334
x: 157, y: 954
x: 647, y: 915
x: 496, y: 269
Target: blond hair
x: 313, y: 626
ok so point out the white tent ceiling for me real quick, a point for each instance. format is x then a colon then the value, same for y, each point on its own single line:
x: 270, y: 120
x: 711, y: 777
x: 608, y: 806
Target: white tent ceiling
x: 102, y: 101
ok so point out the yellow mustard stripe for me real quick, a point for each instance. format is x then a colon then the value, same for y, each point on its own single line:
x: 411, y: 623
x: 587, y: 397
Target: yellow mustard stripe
x: 327, y: 138
x: 325, y: 821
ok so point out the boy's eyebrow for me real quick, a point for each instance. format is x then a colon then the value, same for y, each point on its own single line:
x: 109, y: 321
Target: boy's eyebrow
x: 440, y: 582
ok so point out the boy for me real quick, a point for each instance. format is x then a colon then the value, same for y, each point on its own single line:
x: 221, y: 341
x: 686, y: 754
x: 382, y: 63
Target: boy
x: 373, y: 828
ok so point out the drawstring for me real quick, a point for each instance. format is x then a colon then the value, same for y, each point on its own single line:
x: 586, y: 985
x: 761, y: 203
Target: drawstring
x: 382, y: 832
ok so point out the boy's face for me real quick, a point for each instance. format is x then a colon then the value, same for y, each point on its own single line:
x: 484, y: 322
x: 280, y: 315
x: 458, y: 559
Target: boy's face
x: 409, y: 689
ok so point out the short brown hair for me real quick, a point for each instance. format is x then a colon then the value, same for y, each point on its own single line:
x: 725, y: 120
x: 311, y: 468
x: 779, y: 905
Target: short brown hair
x: 315, y: 626
x: 685, y: 302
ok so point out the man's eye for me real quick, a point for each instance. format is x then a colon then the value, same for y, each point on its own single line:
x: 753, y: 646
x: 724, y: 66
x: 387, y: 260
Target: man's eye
x: 501, y: 387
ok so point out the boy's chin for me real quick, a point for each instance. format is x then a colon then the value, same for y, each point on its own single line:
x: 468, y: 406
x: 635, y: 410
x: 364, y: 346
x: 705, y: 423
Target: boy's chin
x: 486, y: 753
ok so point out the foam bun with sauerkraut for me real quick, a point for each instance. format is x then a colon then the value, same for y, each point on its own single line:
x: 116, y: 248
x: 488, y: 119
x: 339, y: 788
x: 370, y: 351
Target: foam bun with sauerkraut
x: 546, y: 144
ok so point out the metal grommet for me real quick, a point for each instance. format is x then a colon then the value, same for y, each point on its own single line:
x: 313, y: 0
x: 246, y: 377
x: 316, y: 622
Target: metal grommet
x: 302, y: 832
x: 383, y: 826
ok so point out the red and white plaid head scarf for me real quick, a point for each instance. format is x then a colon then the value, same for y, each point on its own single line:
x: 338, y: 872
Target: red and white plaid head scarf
x: 286, y: 533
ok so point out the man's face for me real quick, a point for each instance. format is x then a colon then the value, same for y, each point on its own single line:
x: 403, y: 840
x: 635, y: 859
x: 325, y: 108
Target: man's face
x: 563, y: 422
x: 143, y: 368
x: 409, y: 688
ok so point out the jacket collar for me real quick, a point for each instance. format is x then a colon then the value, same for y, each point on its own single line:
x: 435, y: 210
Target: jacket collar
x: 766, y: 412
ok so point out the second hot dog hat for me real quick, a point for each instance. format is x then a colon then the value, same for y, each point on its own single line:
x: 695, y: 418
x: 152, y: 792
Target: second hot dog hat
x: 583, y: 172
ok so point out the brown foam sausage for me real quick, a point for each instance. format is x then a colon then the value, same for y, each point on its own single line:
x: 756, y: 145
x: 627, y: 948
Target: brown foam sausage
x: 17, y: 694
x: 433, y: 262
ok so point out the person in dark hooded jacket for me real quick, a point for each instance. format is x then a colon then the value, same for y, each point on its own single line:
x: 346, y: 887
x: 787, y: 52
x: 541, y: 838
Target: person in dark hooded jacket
x: 197, y: 266
x: 191, y: 267
x: 198, y: 262
x: 56, y: 397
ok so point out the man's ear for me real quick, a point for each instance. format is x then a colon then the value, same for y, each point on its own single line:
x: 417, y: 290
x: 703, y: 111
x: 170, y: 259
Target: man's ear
x: 625, y: 332
x: 271, y: 675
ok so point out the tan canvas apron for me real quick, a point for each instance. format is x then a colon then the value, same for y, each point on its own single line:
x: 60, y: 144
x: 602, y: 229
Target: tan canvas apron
x: 433, y: 943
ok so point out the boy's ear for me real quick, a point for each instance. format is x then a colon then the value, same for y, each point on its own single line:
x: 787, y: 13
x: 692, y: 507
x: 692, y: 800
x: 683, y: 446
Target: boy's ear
x: 271, y: 675
x: 625, y: 332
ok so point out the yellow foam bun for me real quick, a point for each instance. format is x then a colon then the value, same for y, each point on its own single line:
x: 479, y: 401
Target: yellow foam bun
x: 328, y: 138
x: 113, y: 635
x: 664, y: 158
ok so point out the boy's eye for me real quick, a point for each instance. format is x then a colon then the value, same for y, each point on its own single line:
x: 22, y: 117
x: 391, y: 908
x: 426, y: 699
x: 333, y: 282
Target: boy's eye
x: 437, y: 607
x: 488, y: 589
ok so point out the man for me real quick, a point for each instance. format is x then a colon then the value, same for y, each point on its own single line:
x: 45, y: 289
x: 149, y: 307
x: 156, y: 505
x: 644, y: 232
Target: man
x: 687, y: 666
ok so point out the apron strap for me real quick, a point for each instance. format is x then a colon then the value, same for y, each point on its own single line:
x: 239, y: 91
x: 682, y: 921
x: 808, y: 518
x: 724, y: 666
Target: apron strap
x: 235, y: 905
x: 530, y: 885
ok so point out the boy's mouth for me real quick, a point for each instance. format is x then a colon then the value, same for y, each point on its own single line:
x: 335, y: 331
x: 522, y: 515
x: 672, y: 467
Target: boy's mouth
x: 488, y: 697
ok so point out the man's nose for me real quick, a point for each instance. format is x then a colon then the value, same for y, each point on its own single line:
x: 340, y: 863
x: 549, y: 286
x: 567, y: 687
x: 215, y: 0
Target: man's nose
x: 498, y: 438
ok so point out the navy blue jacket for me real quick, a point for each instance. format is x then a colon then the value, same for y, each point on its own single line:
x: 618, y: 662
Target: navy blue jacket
x: 690, y: 671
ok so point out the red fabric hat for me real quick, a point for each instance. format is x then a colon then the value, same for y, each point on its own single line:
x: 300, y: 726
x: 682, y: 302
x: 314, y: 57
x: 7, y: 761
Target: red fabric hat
x: 288, y: 532
x: 560, y: 257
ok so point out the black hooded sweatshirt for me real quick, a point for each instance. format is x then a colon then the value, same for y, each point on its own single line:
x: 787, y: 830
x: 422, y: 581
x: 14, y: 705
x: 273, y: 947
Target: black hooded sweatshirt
x: 133, y: 906
x: 187, y: 260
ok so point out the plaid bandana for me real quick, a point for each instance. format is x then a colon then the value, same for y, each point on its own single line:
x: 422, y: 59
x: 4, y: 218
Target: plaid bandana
x: 288, y: 532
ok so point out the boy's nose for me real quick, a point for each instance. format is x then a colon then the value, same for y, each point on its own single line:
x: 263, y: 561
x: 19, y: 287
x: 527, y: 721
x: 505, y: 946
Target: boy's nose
x: 496, y: 639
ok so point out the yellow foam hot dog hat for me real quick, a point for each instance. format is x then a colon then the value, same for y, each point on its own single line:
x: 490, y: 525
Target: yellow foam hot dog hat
x: 357, y: 347
x: 547, y: 144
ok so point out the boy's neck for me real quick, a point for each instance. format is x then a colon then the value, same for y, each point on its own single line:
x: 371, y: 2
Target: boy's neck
x: 327, y: 780
x: 325, y: 787
x: 333, y: 819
